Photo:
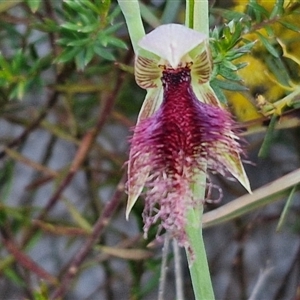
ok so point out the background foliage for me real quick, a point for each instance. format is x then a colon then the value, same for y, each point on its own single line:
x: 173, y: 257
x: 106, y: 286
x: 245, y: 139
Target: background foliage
x: 67, y: 102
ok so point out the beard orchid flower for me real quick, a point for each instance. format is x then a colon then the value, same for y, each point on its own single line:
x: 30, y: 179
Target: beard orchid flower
x: 182, y: 128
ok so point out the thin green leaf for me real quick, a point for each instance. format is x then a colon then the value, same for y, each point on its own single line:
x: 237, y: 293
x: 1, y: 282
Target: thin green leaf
x: 278, y: 69
x: 117, y: 42
x: 278, y: 9
x: 72, y: 26
x: 258, y: 9
x: 290, y: 26
x: 77, y: 6
x: 79, y: 43
x: 228, y: 74
x: 219, y: 92
x: 77, y: 216
x: 89, y: 54
x: 111, y: 29
x: 149, y: 16
x: 229, y: 85
x: 104, y: 53
x: 80, y: 60
x: 269, y: 193
x: 170, y: 11
x: 34, y: 4
x: 89, y: 28
x: 285, y: 211
x: 67, y: 55
x: 92, y: 6
x: 229, y: 65
x: 269, y: 30
x: 268, y: 45
x: 264, y: 149
x: 229, y: 14
x: 14, y: 277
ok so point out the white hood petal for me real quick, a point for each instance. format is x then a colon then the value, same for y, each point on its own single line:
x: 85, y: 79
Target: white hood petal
x: 171, y: 42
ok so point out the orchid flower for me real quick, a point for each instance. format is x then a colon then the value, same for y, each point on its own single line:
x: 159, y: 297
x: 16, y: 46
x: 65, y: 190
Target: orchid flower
x: 182, y: 128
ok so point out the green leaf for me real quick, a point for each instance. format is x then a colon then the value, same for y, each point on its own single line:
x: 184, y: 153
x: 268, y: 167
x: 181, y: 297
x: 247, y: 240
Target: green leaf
x: 6, y: 179
x: 269, y: 31
x: 80, y: 60
x: 92, y: 6
x: 170, y: 11
x: 258, y: 9
x: 149, y: 16
x: 228, y: 74
x: 278, y: 9
x: 286, y: 209
x: 104, y: 53
x: 5, y: 68
x: 290, y: 26
x: 14, y: 277
x: 72, y: 26
x: 264, y: 149
x: 229, y: 14
x: 77, y: 216
x: 79, y: 43
x: 111, y: 29
x: 67, y: 55
x: 34, y: 4
x: 76, y: 6
x: 219, y: 92
x: 247, y: 47
x: 229, y: 85
x: 278, y: 69
x: 229, y: 65
x: 89, y: 28
x: 117, y: 42
x: 268, y: 45
x: 88, y: 55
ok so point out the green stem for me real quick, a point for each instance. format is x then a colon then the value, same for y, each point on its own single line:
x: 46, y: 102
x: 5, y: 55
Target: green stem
x: 197, y: 17
x: 132, y: 14
x: 201, y: 16
x: 189, y: 13
x: 196, y: 254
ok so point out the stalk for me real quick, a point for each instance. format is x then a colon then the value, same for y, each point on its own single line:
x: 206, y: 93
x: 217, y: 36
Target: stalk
x: 197, y: 15
x: 132, y: 14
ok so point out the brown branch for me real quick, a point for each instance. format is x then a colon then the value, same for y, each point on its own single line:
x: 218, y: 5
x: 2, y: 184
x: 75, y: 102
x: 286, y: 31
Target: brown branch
x: 22, y: 137
x: 51, y: 102
x: 80, y: 156
x: 24, y: 260
x: 80, y: 256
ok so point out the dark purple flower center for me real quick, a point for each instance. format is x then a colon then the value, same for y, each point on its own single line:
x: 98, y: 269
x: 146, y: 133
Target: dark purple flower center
x: 186, y: 127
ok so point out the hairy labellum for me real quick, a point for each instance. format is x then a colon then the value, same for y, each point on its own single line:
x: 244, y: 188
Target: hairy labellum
x: 182, y: 128
x: 182, y: 137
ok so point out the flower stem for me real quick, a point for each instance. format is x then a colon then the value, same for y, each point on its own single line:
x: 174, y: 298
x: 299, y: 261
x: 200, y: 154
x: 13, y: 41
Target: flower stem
x: 196, y: 253
x: 197, y: 16
x: 201, y: 17
x: 132, y: 14
x: 189, y: 13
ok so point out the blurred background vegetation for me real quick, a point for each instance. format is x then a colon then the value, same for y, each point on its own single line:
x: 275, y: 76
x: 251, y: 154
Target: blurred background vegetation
x: 67, y: 102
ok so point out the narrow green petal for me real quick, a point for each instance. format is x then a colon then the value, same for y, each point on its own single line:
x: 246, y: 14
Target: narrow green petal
x: 137, y: 176
x: 205, y: 93
x: 234, y: 165
x: 151, y: 103
x: 136, y: 181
